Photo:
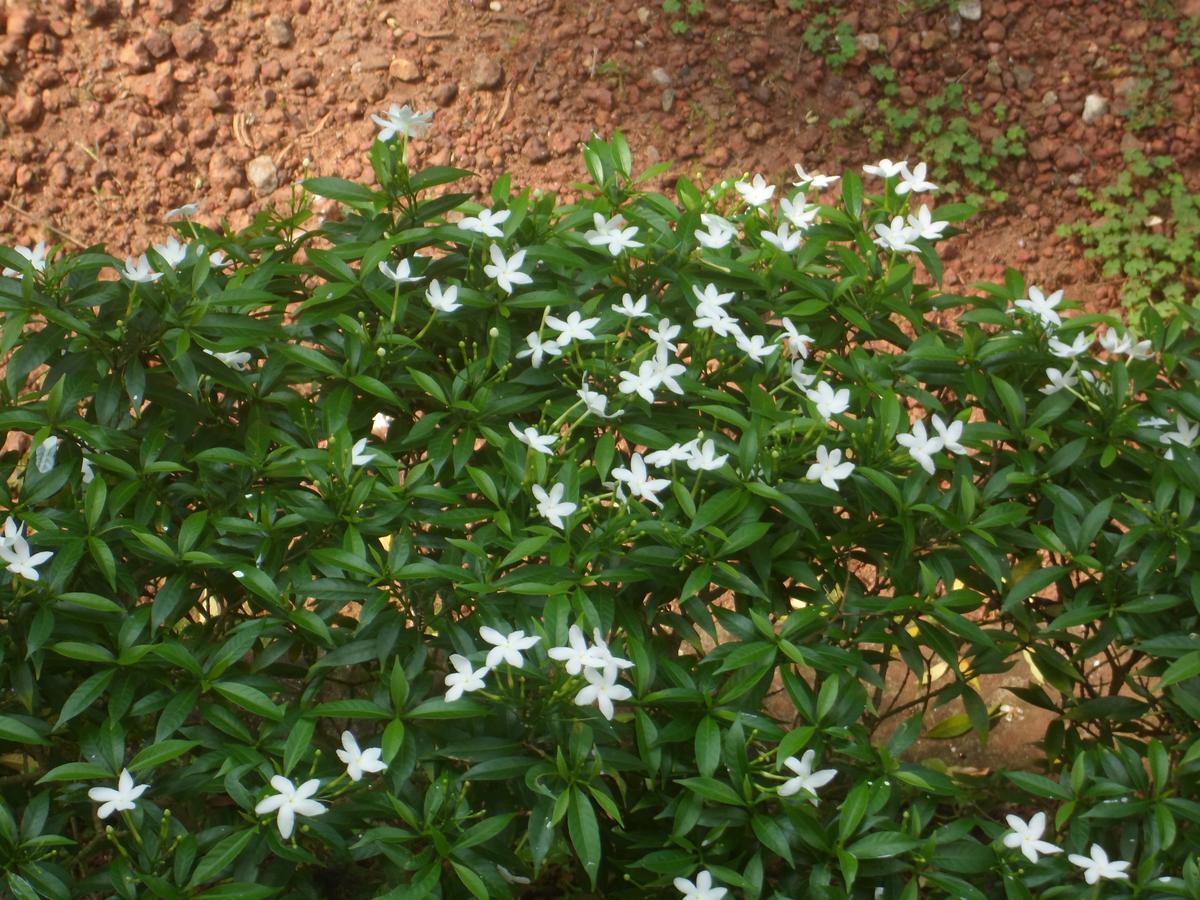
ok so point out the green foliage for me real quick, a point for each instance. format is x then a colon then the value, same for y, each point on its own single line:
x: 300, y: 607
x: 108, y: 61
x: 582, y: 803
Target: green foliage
x: 1147, y: 233
x: 677, y: 11
x: 240, y: 571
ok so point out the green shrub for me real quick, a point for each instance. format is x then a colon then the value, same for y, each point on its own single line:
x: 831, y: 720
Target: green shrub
x: 287, y: 499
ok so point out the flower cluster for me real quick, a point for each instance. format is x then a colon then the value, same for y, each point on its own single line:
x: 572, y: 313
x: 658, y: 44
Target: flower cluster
x: 1027, y: 837
x: 16, y: 553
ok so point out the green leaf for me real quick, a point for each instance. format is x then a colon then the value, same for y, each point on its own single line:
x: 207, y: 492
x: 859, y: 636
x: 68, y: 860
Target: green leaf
x: 585, y: 833
x: 881, y: 845
x: 1181, y: 670
x: 351, y: 193
x: 221, y: 856
x: 159, y: 753
x: 772, y: 837
x: 89, y: 690
x: 708, y: 746
x: 711, y: 789
x: 76, y: 771
x: 249, y: 698
x: 18, y: 732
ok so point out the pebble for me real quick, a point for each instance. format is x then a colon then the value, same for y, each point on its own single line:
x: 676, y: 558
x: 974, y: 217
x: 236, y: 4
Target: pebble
x: 970, y: 10
x: 486, y: 74
x: 135, y: 57
x: 660, y: 76
x: 301, y: 78
x: 158, y: 44
x: 1069, y: 158
x: 26, y: 111
x: 444, y: 93
x: 1094, y: 108
x: 279, y: 31
x: 189, y: 40
x: 867, y: 40
x: 536, y: 150
x: 668, y: 100
x: 262, y: 175
x: 404, y: 69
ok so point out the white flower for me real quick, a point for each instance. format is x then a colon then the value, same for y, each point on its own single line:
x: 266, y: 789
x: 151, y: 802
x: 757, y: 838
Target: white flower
x: 828, y: 401
x: 667, y: 371
x: 602, y: 689
x: 359, y: 455
x: 380, y: 423
x: 443, y: 301
x: 802, y: 379
x: 187, y: 211
x: 756, y: 192
x: 1041, y: 306
x: 139, y: 270
x: 576, y: 654
x: 291, y: 801
x: 1185, y: 434
x: 35, y: 255
x: 914, y: 180
x: 949, y: 434
x: 717, y: 319
x: 755, y: 346
x: 921, y: 446
x: 506, y: 272
x: 44, y: 455
x: 677, y: 452
x: 595, y: 402
x: 172, y: 252
x: 711, y: 297
x: 601, y: 652
x: 639, y: 485
x: 704, y: 457
x: 897, y: 237
x: 358, y: 761
x: 1141, y: 350
x: 642, y: 382
x: 796, y: 343
x: 506, y: 647
x: 217, y: 259
x: 487, y: 222
x: 235, y: 359
x: 1116, y: 342
x: 403, y: 120
x: 575, y: 328
x: 611, y: 233
x: 782, y: 238
x: 923, y: 226
x: 885, y: 168
x: 820, y: 182
x: 1098, y: 865
x: 464, y: 679
x: 806, y: 779
x: 551, y: 505
x: 1027, y: 837
x: 633, y: 309
x: 539, y: 349
x: 402, y: 274
x: 799, y: 213
x: 701, y: 889
x: 121, y: 799
x: 1077, y: 347
x: 533, y: 440
x: 85, y: 468
x: 664, y: 335
x: 14, y: 550
x: 829, y: 468
x: 1059, y: 380
x: 719, y: 231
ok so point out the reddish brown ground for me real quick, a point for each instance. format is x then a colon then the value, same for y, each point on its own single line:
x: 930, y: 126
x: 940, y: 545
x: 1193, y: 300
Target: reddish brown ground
x: 117, y: 110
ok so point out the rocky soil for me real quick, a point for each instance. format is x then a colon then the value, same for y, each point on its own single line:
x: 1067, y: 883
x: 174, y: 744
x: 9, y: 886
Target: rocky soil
x: 114, y: 111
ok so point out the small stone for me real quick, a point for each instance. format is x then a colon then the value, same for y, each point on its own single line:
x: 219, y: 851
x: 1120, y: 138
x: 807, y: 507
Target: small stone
x: 868, y: 41
x: 660, y: 76
x: 536, y: 150
x: 189, y: 40
x: 20, y: 22
x: 486, y: 74
x: 995, y: 31
x: 404, y: 69
x: 1049, y: 99
x: 135, y: 57
x: 26, y: 111
x: 301, y: 78
x: 262, y: 175
x: 668, y: 100
x: 1039, y: 150
x: 1069, y: 158
x: 970, y: 10
x: 444, y: 94
x: 1024, y: 76
x: 1094, y: 108
x: 279, y: 31
x: 158, y: 44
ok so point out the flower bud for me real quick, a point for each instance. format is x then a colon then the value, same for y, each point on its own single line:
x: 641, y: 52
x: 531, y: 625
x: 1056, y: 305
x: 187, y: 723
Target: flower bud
x: 493, y: 332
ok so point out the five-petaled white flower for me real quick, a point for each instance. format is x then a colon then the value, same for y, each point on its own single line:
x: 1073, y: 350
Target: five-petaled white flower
x: 885, y: 168
x: 914, y: 180
x: 642, y: 382
x: 358, y: 761
x: 639, y: 485
x: 664, y: 335
x: 291, y: 801
x: 757, y: 192
x: 799, y: 213
x: 802, y: 379
x: 829, y: 402
x: 403, y: 120
x: 442, y: 300
x: 359, y: 455
x: 718, y: 231
x: 806, y: 779
x: 551, y: 505
x: 923, y: 225
x: 487, y: 222
x: 921, y: 446
x: 1116, y: 342
x: 677, y: 452
x: 172, y: 252
x: 602, y: 652
x: 820, y: 182
x: 35, y: 255
x: 14, y: 550
x: 538, y: 349
x: 703, y: 457
x: 949, y: 434
x: 796, y: 343
x: 464, y: 679
x: 577, y: 654
x: 596, y: 402
x: 829, y: 468
x: 1027, y: 836
x: 120, y: 799
x: 401, y: 274
x: 1077, y: 347
x: 531, y: 438
x: 897, y: 237
x: 1042, y: 307
x: 755, y: 346
x: 667, y: 371
x: 611, y: 233
x: 1185, y: 435
x: 782, y: 238
x: 602, y: 689
x: 1059, y: 380
x: 506, y: 647
x: 574, y: 328
x: 506, y: 272
x: 700, y: 889
x: 1097, y: 865
x: 633, y: 309
x: 47, y: 450
x: 139, y: 270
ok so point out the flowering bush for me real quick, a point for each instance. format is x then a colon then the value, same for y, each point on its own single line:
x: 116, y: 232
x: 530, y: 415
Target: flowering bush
x: 575, y: 550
